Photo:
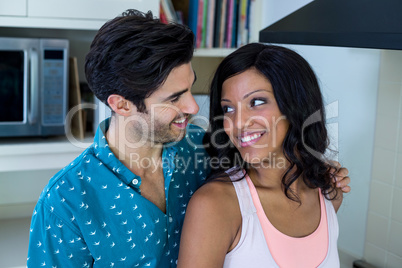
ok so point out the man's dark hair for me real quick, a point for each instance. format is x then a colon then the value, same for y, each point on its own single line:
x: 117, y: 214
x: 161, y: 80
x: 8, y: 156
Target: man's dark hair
x: 132, y: 55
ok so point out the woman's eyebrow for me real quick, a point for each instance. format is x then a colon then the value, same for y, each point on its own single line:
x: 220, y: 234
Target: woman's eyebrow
x: 248, y: 94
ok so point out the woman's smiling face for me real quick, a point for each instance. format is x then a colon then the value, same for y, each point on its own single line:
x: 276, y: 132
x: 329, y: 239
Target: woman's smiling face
x: 253, y: 120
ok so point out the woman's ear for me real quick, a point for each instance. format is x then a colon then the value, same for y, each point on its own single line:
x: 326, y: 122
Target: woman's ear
x: 120, y: 105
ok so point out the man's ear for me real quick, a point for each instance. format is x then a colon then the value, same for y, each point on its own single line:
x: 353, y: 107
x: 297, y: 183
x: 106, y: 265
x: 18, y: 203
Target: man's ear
x: 120, y: 105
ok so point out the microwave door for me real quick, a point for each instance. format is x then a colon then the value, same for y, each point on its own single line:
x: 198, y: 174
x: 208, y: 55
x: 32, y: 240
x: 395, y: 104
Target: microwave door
x: 19, y: 87
x: 12, y: 89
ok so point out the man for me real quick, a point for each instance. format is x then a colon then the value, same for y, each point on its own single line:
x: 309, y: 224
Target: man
x: 121, y: 203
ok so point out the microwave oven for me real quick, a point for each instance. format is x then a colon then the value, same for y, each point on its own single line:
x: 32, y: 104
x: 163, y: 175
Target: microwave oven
x: 33, y: 86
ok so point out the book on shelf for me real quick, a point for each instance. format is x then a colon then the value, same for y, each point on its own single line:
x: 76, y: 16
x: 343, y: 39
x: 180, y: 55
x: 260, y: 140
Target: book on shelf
x: 200, y: 20
x: 204, y: 24
x: 168, y: 10
x: 210, y: 24
x: 193, y: 16
x: 215, y: 23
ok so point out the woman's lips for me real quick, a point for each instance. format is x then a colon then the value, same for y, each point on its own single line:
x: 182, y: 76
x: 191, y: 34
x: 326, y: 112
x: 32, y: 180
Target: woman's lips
x: 249, y: 139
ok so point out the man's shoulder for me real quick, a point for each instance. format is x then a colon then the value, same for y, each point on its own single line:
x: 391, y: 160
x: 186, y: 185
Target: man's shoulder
x: 64, y: 175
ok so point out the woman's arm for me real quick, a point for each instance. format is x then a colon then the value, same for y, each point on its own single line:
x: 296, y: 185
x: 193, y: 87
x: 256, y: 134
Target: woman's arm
x: 211, y: 224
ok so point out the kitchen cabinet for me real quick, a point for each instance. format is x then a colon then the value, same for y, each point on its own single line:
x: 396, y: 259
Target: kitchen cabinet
x: 62, y: 14
x: 13, y: 8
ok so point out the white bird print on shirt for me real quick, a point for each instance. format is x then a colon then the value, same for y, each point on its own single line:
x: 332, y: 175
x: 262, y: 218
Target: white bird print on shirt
x: 89, y: 179
x: 104, y: 225
x: 132, y: 246
x: 104, y: 186
x: 88, y: 222
x: 60, y: 225
x: 119, y: 213
x: 48, y: 227
x: 96, y: 243
x: 57, y: 251
x: 142, y: 257
x: 99, y: 258
x: 139, y: 216
x: 135, y: 207
x: 117, y: 196
x: 70, y: 256
x: 92, y: 233
x: 113, y: 207
x: 123, y: 259
x: 108, y: 235
x: 144, y: 225
x: 39, y: 244
x: 129, y: 240
x: 60, y: 241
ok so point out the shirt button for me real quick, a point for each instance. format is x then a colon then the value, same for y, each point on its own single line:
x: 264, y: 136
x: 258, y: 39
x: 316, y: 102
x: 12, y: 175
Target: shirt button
x: 135, y: 181
x: 170, y: 219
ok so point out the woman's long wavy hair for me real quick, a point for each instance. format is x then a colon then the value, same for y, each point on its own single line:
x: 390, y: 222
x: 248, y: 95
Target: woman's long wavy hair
x: 298, y: 96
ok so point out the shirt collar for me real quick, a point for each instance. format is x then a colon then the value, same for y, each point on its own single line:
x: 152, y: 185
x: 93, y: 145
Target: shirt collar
x: 105, y: 155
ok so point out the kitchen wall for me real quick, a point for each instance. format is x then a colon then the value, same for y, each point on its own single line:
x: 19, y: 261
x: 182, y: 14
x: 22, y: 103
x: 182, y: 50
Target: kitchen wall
x: 365, y: 84
x: 383, y: 245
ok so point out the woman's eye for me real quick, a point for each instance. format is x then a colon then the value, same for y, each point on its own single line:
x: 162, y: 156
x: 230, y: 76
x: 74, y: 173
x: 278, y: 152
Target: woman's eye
x: 227, y: 109
x: 257, y: 102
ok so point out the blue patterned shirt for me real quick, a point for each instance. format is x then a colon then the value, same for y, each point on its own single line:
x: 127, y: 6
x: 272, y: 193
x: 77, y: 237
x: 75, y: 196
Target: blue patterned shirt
x: 92, y: 214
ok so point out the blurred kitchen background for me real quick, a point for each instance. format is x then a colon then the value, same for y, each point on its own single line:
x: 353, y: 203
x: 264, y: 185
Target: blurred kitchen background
x: 361, y: 85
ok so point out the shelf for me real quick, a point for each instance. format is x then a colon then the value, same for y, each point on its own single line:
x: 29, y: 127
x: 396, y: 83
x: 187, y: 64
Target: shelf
x: 39, y: 153
x: 213, y: 52
x: 51, y: 23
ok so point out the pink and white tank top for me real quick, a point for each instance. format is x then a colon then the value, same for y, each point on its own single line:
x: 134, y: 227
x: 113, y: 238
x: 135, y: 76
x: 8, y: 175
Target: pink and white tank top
x: 262, y: 245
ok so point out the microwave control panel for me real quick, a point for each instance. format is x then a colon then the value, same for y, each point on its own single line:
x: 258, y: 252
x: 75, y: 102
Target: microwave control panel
x: 54, y: 86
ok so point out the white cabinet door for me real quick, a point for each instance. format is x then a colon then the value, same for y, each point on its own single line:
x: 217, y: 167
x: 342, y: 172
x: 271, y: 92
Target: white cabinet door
x: 13, y: 7
x: 86, y: 9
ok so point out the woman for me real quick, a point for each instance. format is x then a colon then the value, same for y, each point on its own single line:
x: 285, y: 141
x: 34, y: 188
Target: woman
x: 276, y: 206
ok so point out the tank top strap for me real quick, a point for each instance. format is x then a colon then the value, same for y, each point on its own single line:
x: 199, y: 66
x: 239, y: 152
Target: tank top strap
x: 238, y: 179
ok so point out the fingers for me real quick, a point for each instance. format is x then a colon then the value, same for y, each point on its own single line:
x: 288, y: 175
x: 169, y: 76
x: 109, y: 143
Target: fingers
x: 346, y: 189
x: 341, y: 172
x: 335, y: 164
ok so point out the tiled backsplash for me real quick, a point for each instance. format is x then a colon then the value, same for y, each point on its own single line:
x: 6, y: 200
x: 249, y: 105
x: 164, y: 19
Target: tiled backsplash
x: 383, y: 246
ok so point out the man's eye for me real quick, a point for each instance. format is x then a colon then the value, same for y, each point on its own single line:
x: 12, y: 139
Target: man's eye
x: 176, y: 99
x: 258, y: 102
x: 227, y: 109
